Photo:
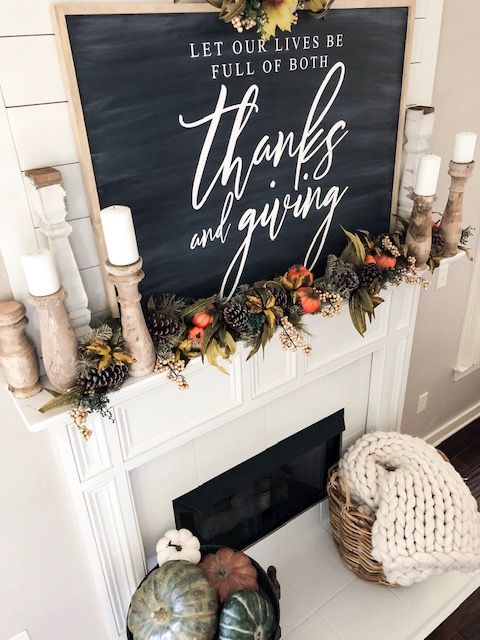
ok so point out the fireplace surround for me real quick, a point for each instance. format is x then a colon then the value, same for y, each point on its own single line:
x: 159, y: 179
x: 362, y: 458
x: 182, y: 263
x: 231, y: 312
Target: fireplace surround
x: 249, y: 501
x: 163, y: 444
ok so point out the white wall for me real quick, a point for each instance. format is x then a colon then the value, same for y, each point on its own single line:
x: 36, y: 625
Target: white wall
x: 45, y: 585
x: 45, y: 582
x: 441, y: 313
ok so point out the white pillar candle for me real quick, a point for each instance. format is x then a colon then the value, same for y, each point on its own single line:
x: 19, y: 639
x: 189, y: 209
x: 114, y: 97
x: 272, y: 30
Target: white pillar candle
x: 427, y: 175
x: 464, y: 149
x: 119, y: 233
x: 40, y: 273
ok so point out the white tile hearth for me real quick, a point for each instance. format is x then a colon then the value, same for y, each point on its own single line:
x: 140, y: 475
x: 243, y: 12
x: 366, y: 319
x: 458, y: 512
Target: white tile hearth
x: 322, y: 600
x: 313, y: 628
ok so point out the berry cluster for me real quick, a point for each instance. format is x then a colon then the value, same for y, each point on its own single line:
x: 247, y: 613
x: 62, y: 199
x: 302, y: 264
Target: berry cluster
x: 241, y: 22
x: 390, y: 247
x: 79, y: 416
x: 409, y: 275
x: 291, y: 340
x: 331, y: 303
x: 173, y: 369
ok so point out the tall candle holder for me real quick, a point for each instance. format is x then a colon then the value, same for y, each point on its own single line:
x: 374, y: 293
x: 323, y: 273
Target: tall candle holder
x: 58, y: 340
x: 135, y: 333
x: 419, y: 233
x: 18, y: 358
x: 451, y: 224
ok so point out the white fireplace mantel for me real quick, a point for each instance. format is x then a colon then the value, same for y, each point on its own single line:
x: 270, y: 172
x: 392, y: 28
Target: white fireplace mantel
x: 270, y: 397
x: 164, y: 442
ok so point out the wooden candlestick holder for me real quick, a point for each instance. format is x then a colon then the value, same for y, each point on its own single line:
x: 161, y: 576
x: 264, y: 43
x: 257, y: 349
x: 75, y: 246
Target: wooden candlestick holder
x: 58, y: 340
x: 451, y: 224
x: 419, y: 233
x: 18, y: 358
x: 137, y: 338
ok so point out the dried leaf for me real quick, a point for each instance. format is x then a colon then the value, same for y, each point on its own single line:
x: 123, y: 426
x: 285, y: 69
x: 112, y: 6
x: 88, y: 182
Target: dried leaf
x: 365, y: 299
x: 230, y: 342
x: 104, y: 362
x: 357, y: 314
x: 122, y: 357
x: 271, y: 318
x: 61, y: 400
x: 358, y: 245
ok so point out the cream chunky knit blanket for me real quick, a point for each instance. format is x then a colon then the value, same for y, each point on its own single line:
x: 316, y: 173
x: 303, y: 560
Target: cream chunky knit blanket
x: 426, y: 519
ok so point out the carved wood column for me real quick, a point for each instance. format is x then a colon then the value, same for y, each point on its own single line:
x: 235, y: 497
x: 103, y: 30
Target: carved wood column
x: 137, y: 338
x: 418, y: 130
x: 49, y: 202
x: 452, y: 219
x: 18, y: 358
x: 419, y: 233
x: 58, y: 340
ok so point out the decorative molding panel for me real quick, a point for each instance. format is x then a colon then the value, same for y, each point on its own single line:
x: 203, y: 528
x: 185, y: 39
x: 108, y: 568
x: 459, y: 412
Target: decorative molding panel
x: 403, y: 302
x: 106, y: 507
x: 91, y: 457
x: 340, y: 339
x: 272, y: 369
x: 165, y: 417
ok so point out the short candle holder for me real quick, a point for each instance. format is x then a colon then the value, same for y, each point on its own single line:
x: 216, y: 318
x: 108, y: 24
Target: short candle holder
x: 18, y: 358
x: 419, y: 233
x: 451, y: 224
x: 58, y: 340
x: 135, y: 333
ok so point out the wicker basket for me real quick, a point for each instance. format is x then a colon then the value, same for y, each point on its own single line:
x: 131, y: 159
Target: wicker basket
x: 352, y: 530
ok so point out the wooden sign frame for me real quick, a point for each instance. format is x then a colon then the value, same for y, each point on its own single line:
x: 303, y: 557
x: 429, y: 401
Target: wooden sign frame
x: 61, y: 11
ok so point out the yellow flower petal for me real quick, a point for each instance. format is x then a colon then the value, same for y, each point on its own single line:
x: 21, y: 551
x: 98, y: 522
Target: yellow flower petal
x: 104, y: 362
x: 279, y: 15
x: 120, y: 356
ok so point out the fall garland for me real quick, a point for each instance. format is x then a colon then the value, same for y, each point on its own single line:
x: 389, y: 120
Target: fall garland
x: 210, y: 328
x: 268, y: 15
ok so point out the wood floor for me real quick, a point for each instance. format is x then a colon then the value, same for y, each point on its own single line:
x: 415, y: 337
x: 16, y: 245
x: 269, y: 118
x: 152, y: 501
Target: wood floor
x: 463, y: 449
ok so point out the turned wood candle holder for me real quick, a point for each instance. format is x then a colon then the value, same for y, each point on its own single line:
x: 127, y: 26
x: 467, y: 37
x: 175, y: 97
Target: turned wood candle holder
x: 419, y: 233
x: 137, y: 338
x: 58, y: 340
x: 451, y: 224
x: 18, y: 358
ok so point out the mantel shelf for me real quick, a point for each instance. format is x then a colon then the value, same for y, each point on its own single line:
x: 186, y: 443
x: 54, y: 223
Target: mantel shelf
x: 36, y: 421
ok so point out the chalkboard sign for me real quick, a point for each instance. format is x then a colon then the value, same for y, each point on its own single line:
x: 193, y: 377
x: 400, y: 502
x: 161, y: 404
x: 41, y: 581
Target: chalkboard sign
x: 238, y: 157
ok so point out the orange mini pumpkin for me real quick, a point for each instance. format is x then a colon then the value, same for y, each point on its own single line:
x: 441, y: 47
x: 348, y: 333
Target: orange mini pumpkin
x: 202, y: 319
x: 385, y: 262
x: 309, y: 300
x: 229, y: 571
x: 300, y: 276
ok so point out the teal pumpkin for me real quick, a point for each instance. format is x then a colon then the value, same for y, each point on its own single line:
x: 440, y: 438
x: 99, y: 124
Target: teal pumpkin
x: 174, y: 601
x: 247, y: 615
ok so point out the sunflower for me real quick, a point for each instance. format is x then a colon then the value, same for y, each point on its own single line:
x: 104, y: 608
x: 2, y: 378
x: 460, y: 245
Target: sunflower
x: 279, y: 13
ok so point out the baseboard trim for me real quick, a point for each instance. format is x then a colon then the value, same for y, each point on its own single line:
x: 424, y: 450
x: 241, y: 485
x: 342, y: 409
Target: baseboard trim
x: 454, y: 425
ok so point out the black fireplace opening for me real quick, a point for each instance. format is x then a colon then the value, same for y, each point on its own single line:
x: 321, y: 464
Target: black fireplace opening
x: 249, y: 501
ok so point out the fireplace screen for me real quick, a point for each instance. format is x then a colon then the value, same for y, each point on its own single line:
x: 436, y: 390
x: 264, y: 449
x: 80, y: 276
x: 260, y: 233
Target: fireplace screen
x: 244, y: 504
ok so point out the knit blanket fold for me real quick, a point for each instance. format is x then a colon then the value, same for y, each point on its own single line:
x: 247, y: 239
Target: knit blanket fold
x: 426, y: 519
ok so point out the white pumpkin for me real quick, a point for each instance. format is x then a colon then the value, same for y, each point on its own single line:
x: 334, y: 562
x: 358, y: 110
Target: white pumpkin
x: 178, y: 545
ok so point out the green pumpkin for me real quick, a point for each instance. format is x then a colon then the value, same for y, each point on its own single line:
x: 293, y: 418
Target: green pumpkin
x: 247, y: 615
x: 175, y: 602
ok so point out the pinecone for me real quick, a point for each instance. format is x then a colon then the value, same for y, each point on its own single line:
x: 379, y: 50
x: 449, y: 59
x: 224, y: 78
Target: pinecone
x: 235, y: 315
x: 438, y: 242
x: 109, y: 379
x: 281, y: 298
x: 370, y: 275
x: 162, y: 327
x: 345, y: 280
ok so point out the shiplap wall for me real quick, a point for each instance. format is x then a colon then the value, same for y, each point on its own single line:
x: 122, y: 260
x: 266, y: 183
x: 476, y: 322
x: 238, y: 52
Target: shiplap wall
x: 35, y: 130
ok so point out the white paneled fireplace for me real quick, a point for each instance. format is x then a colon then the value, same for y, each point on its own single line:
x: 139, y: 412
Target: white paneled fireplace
x: 164, y: 442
